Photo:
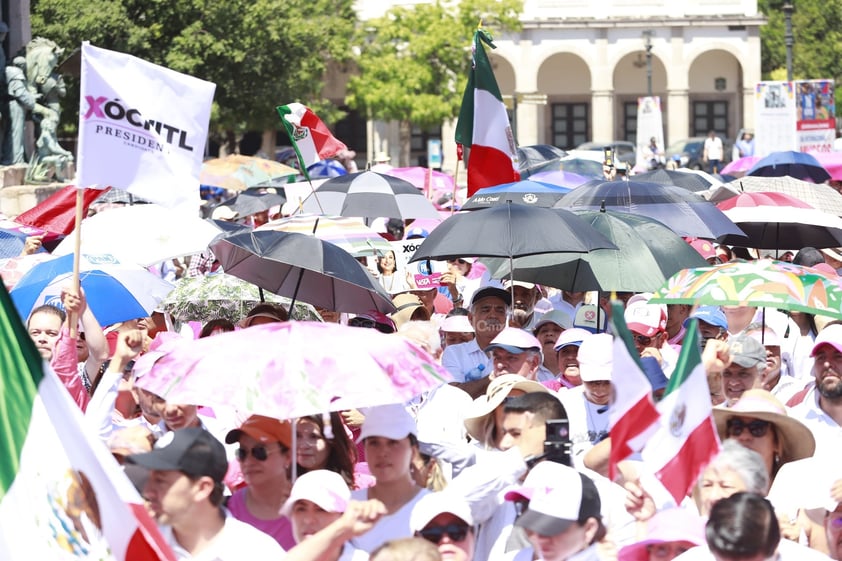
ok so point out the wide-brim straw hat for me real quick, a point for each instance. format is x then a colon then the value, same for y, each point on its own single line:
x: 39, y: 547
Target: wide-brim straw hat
x: 498, y: 390
x: 797, y: 441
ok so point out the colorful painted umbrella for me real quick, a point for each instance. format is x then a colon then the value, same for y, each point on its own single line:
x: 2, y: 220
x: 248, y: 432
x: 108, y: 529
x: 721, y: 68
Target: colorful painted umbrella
x: 761, y: 283
x: 322, y: 367
x: 794, y: 164
x: 348, y: 233
x: 218, y: 295
x: 238, y: 173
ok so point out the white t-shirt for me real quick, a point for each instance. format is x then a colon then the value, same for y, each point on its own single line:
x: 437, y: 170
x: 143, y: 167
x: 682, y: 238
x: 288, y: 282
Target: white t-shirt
x: 713, y: 148
x: 390, y: 527
x: 229, y: 544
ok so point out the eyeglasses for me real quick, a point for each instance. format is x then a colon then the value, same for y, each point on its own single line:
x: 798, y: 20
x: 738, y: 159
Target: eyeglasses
x: 370, y: 324
x: 460, y: 261
x: 757, y: 428
x: 643, y: 340
x: 456, y: 533
x: 260, y: 453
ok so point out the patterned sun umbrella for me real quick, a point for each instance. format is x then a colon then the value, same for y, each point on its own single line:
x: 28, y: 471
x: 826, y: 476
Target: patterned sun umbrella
x: 238, y: 173
x: 348, y: 233
x: 762, y: 283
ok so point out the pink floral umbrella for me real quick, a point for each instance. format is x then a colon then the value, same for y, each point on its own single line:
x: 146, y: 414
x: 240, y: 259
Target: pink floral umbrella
x: 292, y: 369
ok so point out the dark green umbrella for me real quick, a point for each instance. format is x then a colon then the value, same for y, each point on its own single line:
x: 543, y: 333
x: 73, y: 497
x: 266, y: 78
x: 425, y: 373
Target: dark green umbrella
x: 649, y: 254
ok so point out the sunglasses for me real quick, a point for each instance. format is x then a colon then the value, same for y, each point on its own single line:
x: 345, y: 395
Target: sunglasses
x: 260, y: 453
x: 456, y: 533
x: 370, y: 324
x: 757, y: 428
x: 460, y: 261
x: 643, y: 340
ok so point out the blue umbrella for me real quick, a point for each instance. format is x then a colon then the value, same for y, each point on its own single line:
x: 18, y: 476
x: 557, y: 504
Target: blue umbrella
x: 799, y: 165
x: 115, y: 291
x: 534, y: 193
x: 12, y: 242
x: 326, y: 168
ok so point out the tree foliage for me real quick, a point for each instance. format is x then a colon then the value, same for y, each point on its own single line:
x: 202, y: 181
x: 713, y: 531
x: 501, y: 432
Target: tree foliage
x: 259, y: 53
x: 413, y: 62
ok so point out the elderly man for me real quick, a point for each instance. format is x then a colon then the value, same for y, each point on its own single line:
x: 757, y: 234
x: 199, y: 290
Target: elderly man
x: 515, y: 351
x: 736, y: 366
x: 468, y: 362
x: 524, y: 297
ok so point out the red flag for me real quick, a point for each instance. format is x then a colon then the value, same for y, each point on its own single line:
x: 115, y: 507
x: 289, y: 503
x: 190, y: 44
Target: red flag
x: 57, y: 214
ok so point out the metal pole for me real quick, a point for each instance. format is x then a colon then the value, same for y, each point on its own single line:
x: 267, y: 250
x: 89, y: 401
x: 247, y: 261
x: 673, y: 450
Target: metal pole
x: 648, y: 35
x: 788, y: 39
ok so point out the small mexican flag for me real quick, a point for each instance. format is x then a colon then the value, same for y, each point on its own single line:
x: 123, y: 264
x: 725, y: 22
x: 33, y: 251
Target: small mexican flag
x: 310, y: 137
x: 483, y: 127
x: 686, y: 441
x: 62, y: 494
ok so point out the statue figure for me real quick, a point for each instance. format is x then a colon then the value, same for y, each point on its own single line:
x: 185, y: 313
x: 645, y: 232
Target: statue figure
x: 50, y: 162
x: 4, y: 116
x: 21, y: 102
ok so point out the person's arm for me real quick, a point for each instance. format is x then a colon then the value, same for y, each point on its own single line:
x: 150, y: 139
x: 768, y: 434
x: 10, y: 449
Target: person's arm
x: 65, y: 361
x: 31, y: 245
x: 359, y: 517
x: 97, y: 346
x: 482, y: 483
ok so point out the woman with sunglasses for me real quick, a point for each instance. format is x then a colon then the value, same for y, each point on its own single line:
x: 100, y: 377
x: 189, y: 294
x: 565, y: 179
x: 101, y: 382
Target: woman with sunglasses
x: 323, y: 444
x: 265, y: 459
x: 445, y: 520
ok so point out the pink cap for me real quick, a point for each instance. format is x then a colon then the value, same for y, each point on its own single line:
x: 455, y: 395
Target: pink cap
x: 704, y: 247
x: 645, y: 319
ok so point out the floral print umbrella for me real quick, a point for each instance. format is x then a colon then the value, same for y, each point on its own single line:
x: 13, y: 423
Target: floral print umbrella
x: 225, y: 297
x: 762, y: 283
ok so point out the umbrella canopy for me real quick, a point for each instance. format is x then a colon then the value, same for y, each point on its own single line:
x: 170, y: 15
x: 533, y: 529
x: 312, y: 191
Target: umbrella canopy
x: 832, y: 162
x: 690, y: 181
x: 794, y: 164
x: 323, y: 367
x: 684, y: 212
x: 438, y: 182
x: 13, y: 241
x: 740, y: 165
x: 560, y: 177
x: 247, y: 203
x: 237, y: 173
x: 583, y: 162
x: 527, y: 192
x: 13, y: 269
x: 142, y: 234
x: 302, y: 267
x: 817, y: 195
x: 326, y: 168
x: 218, y: 295
x: 761, y: 283
x: 348, y: 233
x: 649, y: 253
x: 538, y: 157
x: 778, y: 221
x: 115, y: 291
x: 369, y: 194
x: 510, y: 230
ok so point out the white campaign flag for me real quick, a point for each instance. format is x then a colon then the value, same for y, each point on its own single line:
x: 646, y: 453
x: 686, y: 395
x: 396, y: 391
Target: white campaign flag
x: 142, y: 127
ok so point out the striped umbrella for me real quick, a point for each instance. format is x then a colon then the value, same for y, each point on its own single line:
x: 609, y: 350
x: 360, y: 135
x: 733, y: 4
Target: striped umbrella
x: 348, y: 233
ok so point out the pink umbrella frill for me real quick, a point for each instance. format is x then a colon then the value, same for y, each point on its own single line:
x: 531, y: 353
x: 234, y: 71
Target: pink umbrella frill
x: 292, y: 369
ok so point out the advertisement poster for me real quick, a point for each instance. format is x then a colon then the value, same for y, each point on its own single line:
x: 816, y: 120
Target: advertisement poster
x: 815, y: 115
x: 397, y: 275
x: 649, y: 125
x: 774, y: 106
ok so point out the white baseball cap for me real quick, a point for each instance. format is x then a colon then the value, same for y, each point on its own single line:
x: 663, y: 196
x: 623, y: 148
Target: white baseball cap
x: 433, y: 504
x: 596, y: 357
x: 323, y: 487
x: 391, y: 421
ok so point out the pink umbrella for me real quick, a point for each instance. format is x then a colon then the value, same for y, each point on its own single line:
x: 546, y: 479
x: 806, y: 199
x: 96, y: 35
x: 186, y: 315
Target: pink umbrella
x: 832, y: 162
x: 291, y: 369
x: 13, y: 269
x: 434, y: 182
x: 740, y: 165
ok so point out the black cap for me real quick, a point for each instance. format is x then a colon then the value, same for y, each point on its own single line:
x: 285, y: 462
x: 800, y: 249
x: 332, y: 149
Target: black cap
x: 193, y: 451
x: 492, y: 291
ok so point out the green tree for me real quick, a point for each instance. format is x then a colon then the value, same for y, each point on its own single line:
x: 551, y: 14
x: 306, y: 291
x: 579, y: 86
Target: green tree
x: 259, y: 53
x: 413, y: 62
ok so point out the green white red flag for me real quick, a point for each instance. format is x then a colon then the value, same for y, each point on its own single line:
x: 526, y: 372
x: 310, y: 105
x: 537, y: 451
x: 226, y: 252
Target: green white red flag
x: 686, y: 440
x: 310, y: 137
x: 483, y: 128
x: 62, y: 494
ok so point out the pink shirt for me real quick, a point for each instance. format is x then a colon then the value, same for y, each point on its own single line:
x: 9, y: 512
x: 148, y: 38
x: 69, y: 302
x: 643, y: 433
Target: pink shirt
x: 65, y: 364
x: 279, y: 528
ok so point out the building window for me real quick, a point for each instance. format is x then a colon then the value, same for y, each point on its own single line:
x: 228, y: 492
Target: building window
x: 352, y: 131
x: 710, y: 116
x: 418, y: 144
x: 630, y: 121
x: 570, y: 126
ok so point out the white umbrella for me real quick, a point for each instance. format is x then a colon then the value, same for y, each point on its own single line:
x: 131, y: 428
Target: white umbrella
x: 142, y: 234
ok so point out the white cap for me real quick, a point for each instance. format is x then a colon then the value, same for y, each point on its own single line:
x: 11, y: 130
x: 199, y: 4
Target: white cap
x: 325, y: 488
x: 391, y: 421
x: 596, y: 357
x: 573, y: 336
x: 457, y: 324
x: 433, y: 504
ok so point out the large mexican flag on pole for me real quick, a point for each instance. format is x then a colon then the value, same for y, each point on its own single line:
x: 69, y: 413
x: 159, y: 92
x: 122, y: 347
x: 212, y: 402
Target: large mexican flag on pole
x: 62, y: 494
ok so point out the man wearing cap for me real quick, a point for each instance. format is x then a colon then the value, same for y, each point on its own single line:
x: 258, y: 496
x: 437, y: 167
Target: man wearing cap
x: 515, y: 351
x: 525, y: 296
x: 648, y: 323
x: 468, y: 362
x: 184, y: 495
x: 456, y: 329
x: 547, y: 330
x: 712, y: 323
x: 567, y: 358
x: 819, y: 406
x: 677, y: 314
x: 745, y: 370
x: 563, y: 519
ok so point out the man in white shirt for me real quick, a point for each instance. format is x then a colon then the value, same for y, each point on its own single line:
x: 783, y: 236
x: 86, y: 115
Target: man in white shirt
x: 713, y: 152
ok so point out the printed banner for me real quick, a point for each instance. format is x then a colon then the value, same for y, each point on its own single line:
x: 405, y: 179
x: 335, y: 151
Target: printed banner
x: 816, y: 115
x: 649, y: 125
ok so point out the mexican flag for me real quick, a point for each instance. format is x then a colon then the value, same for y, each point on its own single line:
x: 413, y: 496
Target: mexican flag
x: 686, y: 440
x: 62, y: 494
x: 483, y: 127
x: 632, y: 417
x: 310, y: 137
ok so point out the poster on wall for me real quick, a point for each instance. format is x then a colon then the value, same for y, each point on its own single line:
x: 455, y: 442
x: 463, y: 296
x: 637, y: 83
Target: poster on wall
x: 815, y: 115
x: 774, y: 107
x: 649, y: 125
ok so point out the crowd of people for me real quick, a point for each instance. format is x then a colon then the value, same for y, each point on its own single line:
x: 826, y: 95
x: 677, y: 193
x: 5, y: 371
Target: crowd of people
x: 462, y: 472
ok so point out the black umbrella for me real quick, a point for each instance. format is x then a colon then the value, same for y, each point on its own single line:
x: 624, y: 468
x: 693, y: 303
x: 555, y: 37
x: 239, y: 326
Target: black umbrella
x: 535, y: 193
x: 510, y: 230
x: 794, y: 164
x: 247, y: 203
x: 684, y: 212
x: 538, y: 157
x: 369, y: 194
x: 302, y: 267
x: 684, y: 179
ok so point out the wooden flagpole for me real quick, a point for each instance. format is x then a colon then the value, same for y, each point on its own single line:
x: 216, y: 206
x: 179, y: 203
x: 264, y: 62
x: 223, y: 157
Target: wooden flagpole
x: 72, y: 320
